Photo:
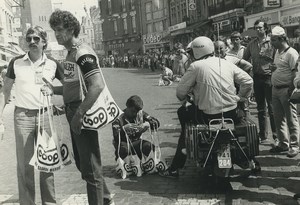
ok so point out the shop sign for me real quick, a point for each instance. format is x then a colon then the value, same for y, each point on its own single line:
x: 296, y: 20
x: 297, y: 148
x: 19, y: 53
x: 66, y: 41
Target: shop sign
x: 221, y: 25
x: 177, y: 26
x: 116, y: 46
x: 270, y: 18
x: 192, y: 5
x: 290, y: 20
x: 271, y: 3
x: 152, y: 38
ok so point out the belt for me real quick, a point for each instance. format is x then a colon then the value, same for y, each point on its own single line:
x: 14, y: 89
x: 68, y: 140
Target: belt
x: 32, y: 110
x: 281, y: 86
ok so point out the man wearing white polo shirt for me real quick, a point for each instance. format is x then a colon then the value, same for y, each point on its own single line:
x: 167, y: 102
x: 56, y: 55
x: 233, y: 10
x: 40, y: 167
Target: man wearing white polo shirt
x: 285, y: 113
x: 26, y: 72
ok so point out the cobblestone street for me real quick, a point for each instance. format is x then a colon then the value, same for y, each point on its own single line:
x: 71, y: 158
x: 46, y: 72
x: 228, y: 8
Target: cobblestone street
x: 278, y: 182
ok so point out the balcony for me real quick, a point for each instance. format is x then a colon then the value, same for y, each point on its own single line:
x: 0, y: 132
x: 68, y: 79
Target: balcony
x: 225, y: 5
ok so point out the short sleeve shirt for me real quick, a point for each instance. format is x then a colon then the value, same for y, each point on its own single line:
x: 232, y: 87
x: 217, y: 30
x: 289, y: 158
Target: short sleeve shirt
x: 28, y: 79
x: 285, y: 62
x: 81, y: 58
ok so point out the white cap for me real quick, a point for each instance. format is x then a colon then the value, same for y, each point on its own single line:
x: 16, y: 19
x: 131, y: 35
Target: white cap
x: 278, y: 31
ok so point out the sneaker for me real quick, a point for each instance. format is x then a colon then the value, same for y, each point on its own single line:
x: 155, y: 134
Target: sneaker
x: 293, y: 152
x: 170, y: 174
x: 278, y: 149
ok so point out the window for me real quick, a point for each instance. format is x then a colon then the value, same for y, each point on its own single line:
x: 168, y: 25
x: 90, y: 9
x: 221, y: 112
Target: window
x: 133, y: 24
x: 158, y: 26
x: 149, y: 28
x: 132, y: 4
x: 148, y: 7
x: 158, y: 5
x: 109, y: 7
x: 158, y: 14
x: 125, y: 25
x: 149, y: 11
x: 123, y: 5
x: 115, y: 28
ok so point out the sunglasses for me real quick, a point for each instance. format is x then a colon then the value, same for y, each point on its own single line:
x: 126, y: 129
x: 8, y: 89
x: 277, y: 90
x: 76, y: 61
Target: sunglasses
x: 36, y: 39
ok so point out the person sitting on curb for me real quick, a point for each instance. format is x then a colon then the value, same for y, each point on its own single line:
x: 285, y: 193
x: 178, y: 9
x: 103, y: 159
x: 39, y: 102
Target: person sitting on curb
x: 134, y: 121
x: 167, y: 74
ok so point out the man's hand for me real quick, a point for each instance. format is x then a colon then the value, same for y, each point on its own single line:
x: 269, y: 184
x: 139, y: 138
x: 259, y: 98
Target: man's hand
x: 47, y: 89
x: 76, y: 122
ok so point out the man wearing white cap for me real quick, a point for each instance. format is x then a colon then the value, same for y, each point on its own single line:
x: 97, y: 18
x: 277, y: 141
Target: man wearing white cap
x: 285, y: 113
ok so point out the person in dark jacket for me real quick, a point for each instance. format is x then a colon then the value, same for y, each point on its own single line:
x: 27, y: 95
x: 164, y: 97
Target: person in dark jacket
x: 130, y: 126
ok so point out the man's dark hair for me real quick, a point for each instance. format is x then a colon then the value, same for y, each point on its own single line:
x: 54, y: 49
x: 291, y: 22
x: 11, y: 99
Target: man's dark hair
x: 67, y: 19
x: 265, y: 25
x: 136, y: 102
x: 40, y: 32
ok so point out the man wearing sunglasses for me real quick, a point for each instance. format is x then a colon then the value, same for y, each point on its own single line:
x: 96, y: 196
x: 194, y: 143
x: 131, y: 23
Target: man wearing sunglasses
x: 262, y: 53
x: 26, y: 73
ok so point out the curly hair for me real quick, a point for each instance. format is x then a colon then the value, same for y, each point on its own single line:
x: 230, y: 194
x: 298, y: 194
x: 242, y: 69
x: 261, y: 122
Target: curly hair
x: 40, y: 32
x: 67, y: 19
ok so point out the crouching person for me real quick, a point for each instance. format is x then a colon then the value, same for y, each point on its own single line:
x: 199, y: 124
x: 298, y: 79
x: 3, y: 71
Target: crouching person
x: 130, y: 126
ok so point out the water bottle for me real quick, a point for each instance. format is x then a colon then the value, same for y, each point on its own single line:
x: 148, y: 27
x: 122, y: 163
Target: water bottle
x: 2, y: 131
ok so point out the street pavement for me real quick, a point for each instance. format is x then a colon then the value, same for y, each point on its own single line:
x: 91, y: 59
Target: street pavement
x: 279, y: 180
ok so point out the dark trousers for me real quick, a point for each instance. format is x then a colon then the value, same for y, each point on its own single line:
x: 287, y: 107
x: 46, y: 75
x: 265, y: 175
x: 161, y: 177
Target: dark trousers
x: 185, y: 115
x: 136, y: 148
x: 88, y: 159
x: 195, y: 116
x: 263, y: 97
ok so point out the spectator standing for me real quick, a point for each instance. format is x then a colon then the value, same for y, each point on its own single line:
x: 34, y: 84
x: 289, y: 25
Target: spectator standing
x: 261, y: 52
x: 237, y: 48
x: 26, y: 72
x: 81, y: 58
x: 285, y: 112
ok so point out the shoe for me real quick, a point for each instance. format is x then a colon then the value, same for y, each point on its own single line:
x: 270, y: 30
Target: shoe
x: 265, y: 141
x: 170, y: 174
x: 293, y: 152
x: 108, y: 201
x: 278, y: 149
x: 296, y: 196
x: 276, y: 142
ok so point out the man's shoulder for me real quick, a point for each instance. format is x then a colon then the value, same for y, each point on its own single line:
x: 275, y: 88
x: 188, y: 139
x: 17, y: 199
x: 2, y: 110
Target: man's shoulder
x: 84, y: 49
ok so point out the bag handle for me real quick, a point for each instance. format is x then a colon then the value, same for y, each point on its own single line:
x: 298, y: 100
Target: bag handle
x: 83, y: 88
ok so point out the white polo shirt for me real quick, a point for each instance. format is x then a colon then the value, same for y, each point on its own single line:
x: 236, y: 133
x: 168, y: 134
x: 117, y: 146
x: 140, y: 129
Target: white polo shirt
x: 28, y: 79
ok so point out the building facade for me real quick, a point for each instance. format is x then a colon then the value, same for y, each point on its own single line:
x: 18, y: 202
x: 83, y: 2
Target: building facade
x: 86, y: 34
x: 285, y: 13
x: 155, y: 24
x: 226, y: 16
x: 122, y: 26
x: 188, y: 19
x: 98, y: 32
x: 8, y: 34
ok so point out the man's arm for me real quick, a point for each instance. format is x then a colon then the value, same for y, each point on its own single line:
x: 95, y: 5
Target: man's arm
x: 5, y: 93
x: 247, y: 54
x: 245, y: 65
x: 186, y: 83
x: 245, y: 81
x: 95, y: 81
